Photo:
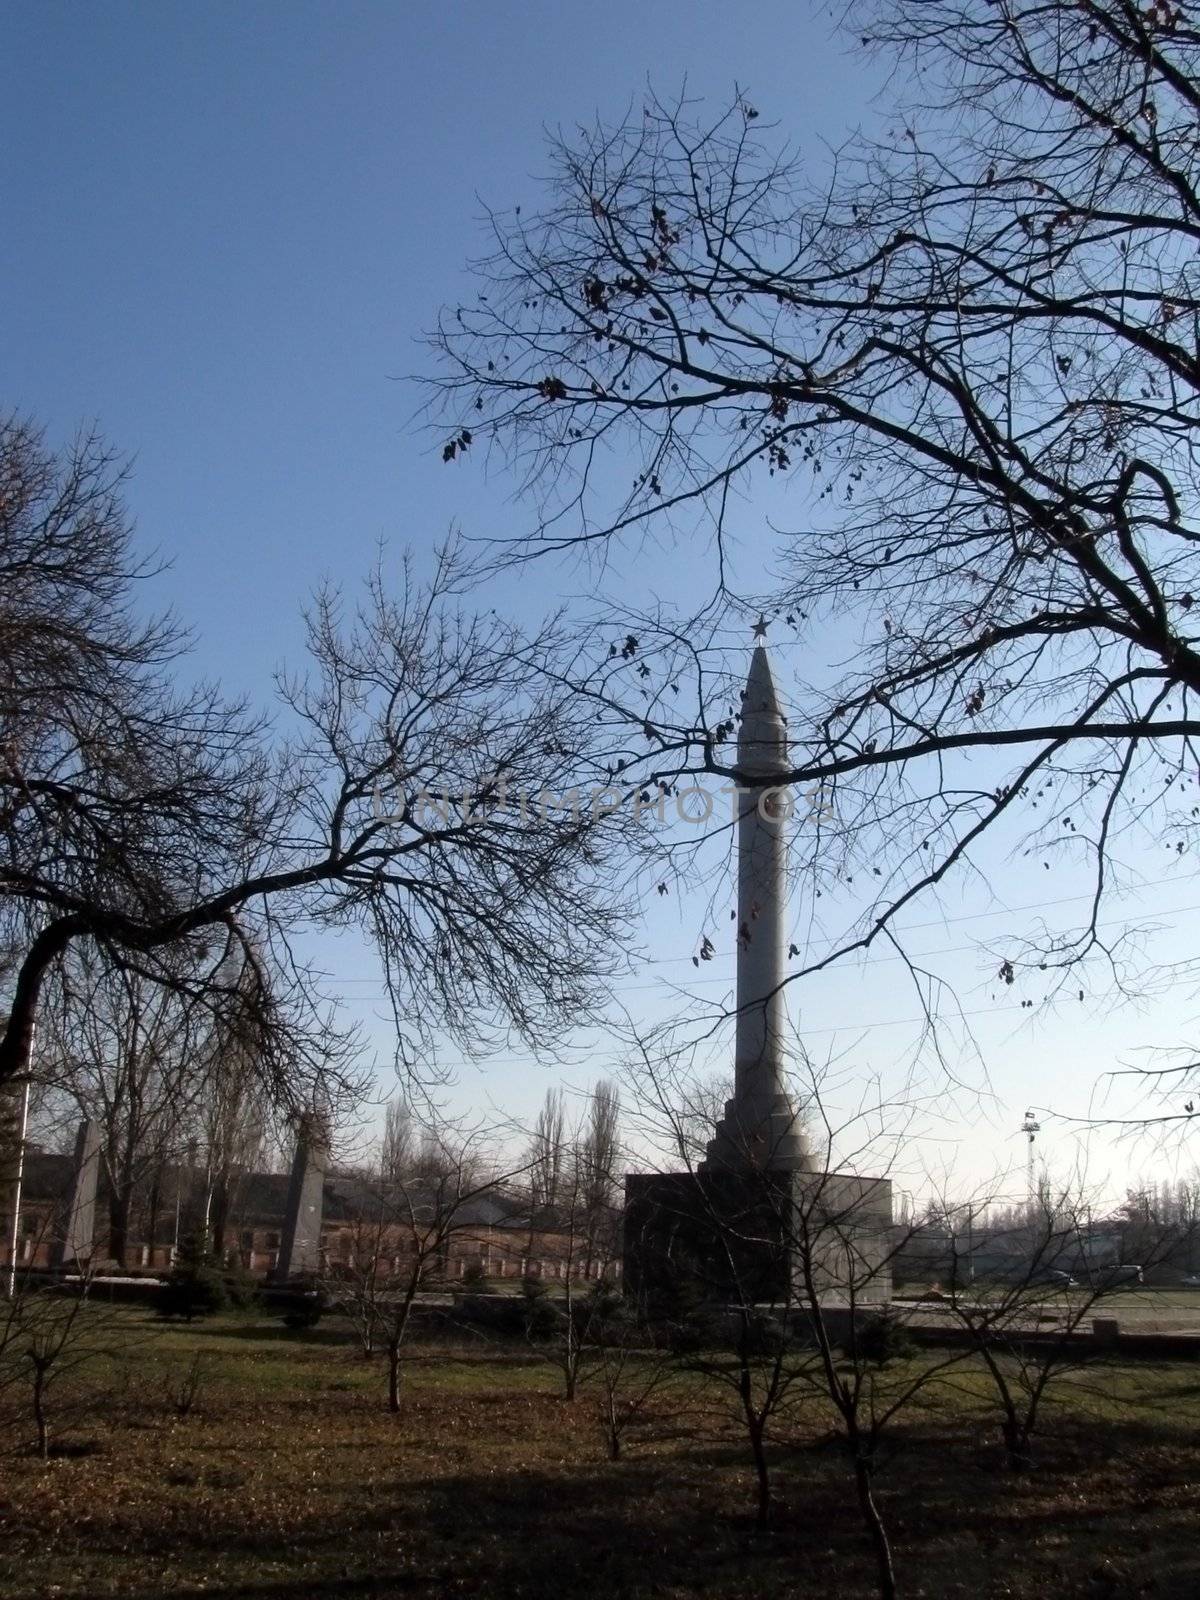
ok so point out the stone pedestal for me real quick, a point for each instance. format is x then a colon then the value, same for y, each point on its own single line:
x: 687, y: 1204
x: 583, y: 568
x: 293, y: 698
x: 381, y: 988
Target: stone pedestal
x: 758, y: 1238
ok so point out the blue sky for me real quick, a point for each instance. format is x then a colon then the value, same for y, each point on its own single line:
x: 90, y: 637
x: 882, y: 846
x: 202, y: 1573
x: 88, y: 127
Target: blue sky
x: 226, y: 227
x: 224, y: 230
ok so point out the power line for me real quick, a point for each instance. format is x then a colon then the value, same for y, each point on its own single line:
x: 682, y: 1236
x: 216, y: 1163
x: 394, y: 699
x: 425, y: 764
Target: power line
x: 975, y: 916
x: 909, y: 927
x: 728, y: 978
x: 809, y: 1033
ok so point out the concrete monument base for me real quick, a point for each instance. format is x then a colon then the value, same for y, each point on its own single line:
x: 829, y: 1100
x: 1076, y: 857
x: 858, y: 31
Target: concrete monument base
x: 761, y: 1238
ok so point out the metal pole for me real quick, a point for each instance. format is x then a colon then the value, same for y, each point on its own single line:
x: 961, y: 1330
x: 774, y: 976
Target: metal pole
x: 970, y: 1246
x: 14, y: 1238
x: 10, y: 1285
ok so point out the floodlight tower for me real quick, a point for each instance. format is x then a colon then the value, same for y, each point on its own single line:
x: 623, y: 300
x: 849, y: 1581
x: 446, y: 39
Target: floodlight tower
x: 1031, y: 1127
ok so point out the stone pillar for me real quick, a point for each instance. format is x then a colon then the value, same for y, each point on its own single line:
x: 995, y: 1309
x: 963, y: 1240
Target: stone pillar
x: 74, y: 1245
x: 759, y: 1129
x: 300, y: 1241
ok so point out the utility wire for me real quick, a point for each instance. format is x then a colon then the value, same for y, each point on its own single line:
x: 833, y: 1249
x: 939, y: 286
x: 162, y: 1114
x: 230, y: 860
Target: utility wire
x: 912, y: 927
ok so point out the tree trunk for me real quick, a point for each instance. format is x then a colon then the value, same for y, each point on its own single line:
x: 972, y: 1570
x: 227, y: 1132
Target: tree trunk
x: 573, y: 1349
x: 394, y: 1377
x: 756, y: 1427
x: 763, y: 1474
x: 219, y: 1215
x: 155, y: 1205
x: 886, y: 1577
x: 1016, y: 1444
x: 39, y: 1412
x: 120, y: 1209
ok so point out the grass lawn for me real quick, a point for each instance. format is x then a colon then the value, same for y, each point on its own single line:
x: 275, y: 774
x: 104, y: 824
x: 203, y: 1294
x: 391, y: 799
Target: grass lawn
x: 290, y: 1478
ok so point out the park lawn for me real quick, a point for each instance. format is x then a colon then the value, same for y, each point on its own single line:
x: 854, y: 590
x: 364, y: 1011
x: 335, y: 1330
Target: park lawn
x: 290, y: 1478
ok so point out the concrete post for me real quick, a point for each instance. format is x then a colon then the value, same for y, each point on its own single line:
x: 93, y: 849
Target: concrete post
x: 300, y: 1241
x: 75, y: 1244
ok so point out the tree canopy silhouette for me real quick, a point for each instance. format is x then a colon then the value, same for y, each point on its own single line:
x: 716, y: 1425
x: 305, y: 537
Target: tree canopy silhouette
x: 966, y: 352
x: 192, y: 843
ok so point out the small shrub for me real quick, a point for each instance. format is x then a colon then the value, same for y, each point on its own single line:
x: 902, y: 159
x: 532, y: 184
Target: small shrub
x: 196, y: 1286
x: 885, y: 1337
x: 303, y: 1314
x: 541, y: 1317
x: 698, y: 1328
x: 605, y: 1302
x: 474, y: 1276
x: 686, y: 1338
x: 241, y: 1289
x: 500, y: 1316
x: 184, y: 1390
x: 764, y: 1335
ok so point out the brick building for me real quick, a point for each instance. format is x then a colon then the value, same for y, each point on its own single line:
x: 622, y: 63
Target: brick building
x: 493, y: 1232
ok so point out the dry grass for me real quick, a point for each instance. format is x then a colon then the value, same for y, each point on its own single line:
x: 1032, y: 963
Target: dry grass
x: 291, y: 1479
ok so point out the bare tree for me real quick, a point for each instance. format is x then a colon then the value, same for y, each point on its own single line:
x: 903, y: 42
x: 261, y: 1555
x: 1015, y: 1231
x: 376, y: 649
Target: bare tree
x: 572, y: 1321
x: 573, y: 1200
x: 46, y: 1336
x: 120, y: 1049
x: 636, y: 1372
x: 231, y: 1121
x: 1025, y: 1292
x: 404, y: 1227
x: 598, y: 1157
x: 423, y: 799
x: 546, y: 1161
x: 796, y: 1263
x: 967, y: 350
x: 824, y: 1231
x: 548, y: 1151
x: 399, y: 1133
x: 767, y: 1377
x: 182, y: 1390
x: 354, y: 1285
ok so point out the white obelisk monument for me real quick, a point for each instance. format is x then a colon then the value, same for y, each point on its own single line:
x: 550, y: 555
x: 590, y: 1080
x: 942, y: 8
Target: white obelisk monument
x: 759, y: 1130
x: 760, y: 1195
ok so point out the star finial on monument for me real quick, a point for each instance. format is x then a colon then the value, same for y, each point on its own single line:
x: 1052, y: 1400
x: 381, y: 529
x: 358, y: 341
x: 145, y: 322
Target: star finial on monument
x: 760, y: 627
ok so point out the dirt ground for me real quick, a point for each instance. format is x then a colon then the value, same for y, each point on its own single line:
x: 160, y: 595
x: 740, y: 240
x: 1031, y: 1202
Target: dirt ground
x: 290, y: 1478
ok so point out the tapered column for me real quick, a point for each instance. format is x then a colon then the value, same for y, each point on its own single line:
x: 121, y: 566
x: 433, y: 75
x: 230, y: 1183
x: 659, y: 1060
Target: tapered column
x: 300, y: 1241
x: 759, y: 1127
x: 75, y: 1244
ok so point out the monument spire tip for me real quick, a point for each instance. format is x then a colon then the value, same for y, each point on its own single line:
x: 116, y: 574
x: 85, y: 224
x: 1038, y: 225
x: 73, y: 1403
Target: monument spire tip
x: 760, y: 683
